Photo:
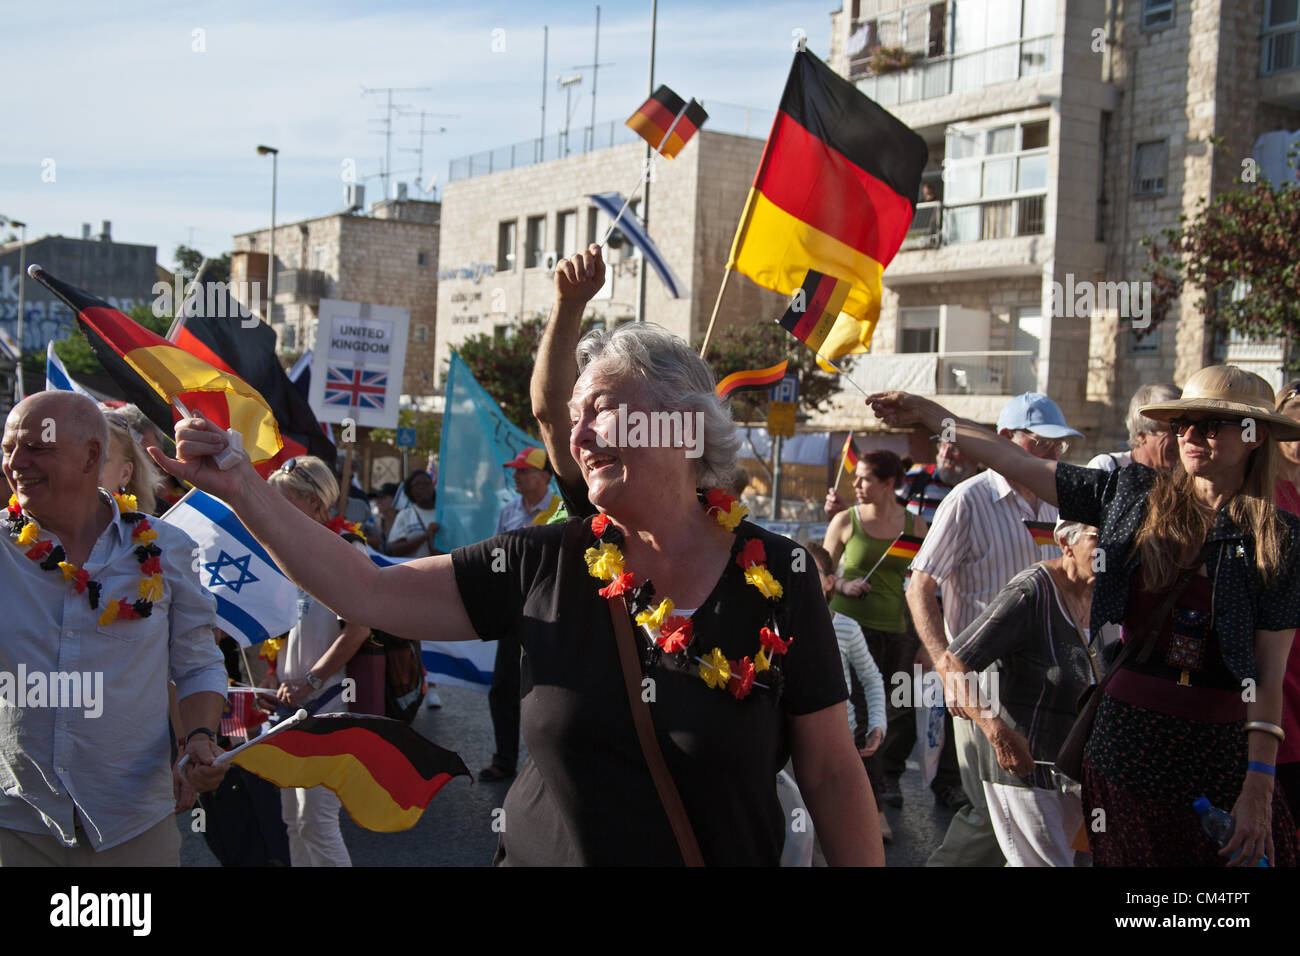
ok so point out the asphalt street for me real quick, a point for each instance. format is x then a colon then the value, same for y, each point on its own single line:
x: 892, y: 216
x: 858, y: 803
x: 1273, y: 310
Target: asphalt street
x: 456, y: 830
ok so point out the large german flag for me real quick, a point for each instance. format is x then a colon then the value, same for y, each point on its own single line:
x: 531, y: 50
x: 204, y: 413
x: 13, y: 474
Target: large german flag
x: 657, y: 117
x: 835, y: 193
x: 154, y: 373
x: 218, y: 329
x: 382, y: 771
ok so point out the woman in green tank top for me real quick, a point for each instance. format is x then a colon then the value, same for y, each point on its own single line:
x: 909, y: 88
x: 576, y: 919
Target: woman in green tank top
x: 861, y: 535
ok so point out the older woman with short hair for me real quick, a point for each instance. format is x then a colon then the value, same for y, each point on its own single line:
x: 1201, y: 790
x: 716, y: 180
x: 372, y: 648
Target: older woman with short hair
x: 732, y: 647
x: 1195, y: 708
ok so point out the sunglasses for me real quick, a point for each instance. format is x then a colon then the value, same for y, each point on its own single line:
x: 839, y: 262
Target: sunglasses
x: 1208, y: 428
x: 288, y: 467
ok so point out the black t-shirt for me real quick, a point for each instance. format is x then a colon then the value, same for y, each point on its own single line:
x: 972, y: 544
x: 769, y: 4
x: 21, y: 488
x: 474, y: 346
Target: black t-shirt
x: 586, y: 796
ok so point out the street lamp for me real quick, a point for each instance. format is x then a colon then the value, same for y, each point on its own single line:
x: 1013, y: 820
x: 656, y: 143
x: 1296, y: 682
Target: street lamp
x: 22, y: 276
x: 270, y: 262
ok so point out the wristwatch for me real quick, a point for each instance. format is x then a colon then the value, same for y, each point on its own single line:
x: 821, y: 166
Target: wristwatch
x: 316, y: 682
x: 200, y: 730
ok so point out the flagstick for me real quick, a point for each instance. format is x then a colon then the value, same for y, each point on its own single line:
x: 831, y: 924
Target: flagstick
x: 230, y: 456
x: 717, y: 304
x: 840, y: 472
x: 868, y: 575
x: 229, y: 755
x: 644, y: 174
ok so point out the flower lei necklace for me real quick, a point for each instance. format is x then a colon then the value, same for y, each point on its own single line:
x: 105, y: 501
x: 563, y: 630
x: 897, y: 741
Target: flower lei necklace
x: 51, y: 557
x: 675, y: 634
x: 271, y: 647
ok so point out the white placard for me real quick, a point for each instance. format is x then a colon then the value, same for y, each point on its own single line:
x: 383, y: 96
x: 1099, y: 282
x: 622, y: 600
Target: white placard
x: 360, y: 355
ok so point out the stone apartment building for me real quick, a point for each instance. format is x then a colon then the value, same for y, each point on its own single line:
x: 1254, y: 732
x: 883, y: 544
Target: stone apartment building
x: 507, y: 219
x: 388, y: 257
x: 1060, y: 135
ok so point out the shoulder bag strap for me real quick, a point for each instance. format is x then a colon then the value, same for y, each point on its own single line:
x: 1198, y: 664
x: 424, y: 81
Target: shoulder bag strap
x: 645, y: 732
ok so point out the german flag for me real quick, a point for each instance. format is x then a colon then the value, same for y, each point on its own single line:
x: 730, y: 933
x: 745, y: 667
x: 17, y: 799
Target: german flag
x: 814, y: 308
x: 835, y: 193
x: 149, y: 368
x: 1043, y: 532
x: 657, y: 116
x: 382, y: 771
x: 905, y: 547
x: 752, y: 379
x: 849, y: 457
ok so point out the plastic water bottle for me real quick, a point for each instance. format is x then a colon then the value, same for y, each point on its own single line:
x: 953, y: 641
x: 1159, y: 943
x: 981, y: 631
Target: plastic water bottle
x: 1219, y: 824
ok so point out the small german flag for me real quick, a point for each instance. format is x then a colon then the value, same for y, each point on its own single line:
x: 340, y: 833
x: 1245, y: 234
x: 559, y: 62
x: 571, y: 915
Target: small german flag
x: 814, y: 307
x: 849, y: 458
x: 667, y: 114
x: 905, y: 547
x: 382, y: 771
x: 1044, y: 532
x: 752, y: 379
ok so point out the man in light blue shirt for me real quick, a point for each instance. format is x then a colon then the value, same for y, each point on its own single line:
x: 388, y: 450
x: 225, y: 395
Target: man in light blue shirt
x: 102, y: 608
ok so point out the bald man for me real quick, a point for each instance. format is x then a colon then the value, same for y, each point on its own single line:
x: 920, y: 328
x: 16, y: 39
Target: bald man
x: 101, y: 609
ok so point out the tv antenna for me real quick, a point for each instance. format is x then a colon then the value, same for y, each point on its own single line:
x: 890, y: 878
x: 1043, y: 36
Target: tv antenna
x: 419, y: 151
x: 389, y: 109
x: 594, y: 66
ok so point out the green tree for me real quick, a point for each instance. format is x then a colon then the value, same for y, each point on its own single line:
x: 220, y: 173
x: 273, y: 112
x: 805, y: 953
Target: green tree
x: 428, y: 433
x: 76, y: 353
x: 1238, y: 251
x: 188, y: 261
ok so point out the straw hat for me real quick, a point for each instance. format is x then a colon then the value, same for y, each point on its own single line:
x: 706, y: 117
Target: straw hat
x: 1228, y: 390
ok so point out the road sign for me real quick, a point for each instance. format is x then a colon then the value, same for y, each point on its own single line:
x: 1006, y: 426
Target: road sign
x: 786, y: 390
x: 406, y: 438
x: 780, y: 418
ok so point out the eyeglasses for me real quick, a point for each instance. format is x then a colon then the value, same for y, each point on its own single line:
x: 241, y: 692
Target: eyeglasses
x: 1045, y: 444
x: 1208, y: 428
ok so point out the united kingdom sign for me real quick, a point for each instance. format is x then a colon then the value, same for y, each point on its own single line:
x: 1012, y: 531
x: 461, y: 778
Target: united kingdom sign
x: 362, y: 349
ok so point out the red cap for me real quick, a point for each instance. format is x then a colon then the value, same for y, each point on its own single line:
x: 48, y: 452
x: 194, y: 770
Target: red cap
x: 528, y: 458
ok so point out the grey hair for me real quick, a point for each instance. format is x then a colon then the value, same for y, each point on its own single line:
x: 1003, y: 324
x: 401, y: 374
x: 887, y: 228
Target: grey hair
x: 1139, y: 425
x: 1068, y: 531
x: 676, y: 379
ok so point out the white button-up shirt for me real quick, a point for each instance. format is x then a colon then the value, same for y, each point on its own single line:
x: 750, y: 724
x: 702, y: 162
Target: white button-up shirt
x: 977, y: 543
x: 83, y: 707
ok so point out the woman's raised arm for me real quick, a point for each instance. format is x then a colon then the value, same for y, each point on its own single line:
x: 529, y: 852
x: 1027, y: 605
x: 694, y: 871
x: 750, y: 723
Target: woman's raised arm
x: 418, y: 600
x: 978, y: 443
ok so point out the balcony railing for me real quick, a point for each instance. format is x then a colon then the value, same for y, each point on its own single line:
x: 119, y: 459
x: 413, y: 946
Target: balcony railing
x: 295, y: 286
x: 950, y: 373
x: 1279, y: 51
x: 935, y: 224
x: 956, y: 72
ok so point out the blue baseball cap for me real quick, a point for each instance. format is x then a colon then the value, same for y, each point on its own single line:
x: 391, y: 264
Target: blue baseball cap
x: 1035, y: 412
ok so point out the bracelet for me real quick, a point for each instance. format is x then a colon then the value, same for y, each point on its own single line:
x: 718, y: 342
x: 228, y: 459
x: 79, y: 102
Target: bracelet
x: 200, y: 730
x: 1260, y: 767
x: 1266, y: 727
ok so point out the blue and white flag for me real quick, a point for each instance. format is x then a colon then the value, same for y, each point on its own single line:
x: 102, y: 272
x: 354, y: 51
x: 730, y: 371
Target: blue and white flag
x: 633, y: 228
x: 254, y: 598
x: 57, y: 377
x: 256, y: 601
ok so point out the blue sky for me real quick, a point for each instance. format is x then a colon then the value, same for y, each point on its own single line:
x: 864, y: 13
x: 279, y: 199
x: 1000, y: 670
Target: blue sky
x: 158, y: 137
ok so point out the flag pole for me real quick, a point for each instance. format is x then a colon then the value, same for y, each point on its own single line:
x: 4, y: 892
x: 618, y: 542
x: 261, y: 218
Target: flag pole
x: 867, y: 576
x: 645, y: 173
x: 229, y: 755
x: 717, y: 304
x: 848, y: 443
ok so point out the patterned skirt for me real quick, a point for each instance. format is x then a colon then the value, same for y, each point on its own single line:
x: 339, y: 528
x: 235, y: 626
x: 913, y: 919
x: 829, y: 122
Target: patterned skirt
x: 1144, y: 769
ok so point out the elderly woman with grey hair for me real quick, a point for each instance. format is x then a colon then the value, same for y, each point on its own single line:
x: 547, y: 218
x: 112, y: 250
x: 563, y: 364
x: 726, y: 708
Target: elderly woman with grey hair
x: 732, y: 665
x: 1150, y: 442
x: 1036, y: 632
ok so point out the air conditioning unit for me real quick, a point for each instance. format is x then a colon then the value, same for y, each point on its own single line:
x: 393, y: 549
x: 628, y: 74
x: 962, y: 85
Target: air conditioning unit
x: 550, y: 260
x: 354, y: 196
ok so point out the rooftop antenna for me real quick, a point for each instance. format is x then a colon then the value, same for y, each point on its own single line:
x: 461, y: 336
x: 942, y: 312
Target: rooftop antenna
x: 422, y: 133
x: 594, y: 66
x: 546, y: 38
x: 388, y: 91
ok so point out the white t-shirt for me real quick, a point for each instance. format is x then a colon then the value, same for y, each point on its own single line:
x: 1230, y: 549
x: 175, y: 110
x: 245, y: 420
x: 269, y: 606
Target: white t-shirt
x: 411, y: 521
x: 1113, y: 461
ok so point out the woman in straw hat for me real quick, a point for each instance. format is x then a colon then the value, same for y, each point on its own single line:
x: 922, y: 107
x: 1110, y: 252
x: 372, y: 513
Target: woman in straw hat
x: 1203, y: 572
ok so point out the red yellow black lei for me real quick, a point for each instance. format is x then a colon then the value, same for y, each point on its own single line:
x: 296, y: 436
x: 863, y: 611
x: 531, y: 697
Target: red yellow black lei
x: 51, y: 557
x: 675, y: 634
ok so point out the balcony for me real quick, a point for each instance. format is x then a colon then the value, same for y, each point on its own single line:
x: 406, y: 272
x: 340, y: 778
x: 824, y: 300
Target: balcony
x: 299, y: 287
x: 1000, y: 374
x: 956, y: 72
x: 1279, y: 58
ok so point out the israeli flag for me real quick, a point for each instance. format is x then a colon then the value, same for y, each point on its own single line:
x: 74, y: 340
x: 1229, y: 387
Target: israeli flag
x: 256, y: 601
x: 633, y: 228
x: 57, y: 377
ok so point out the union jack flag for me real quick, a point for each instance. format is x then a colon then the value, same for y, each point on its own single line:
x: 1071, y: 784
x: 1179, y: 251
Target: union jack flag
x: 355, y: 388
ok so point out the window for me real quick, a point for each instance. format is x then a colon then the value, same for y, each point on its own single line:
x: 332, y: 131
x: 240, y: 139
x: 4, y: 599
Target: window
x: 421, y: 258
x: 1150, y: 165
x: 1280, y: 44
x: 535, y: 248
x: 918, y: 330
x: 1149, y: 344
x: 1157, y: 13
x: 593, y: 225
x: 506, y: 246
x: 995, y: 181
x: 500, y: 333
x: 420, y: 333
x: 566, y: 233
